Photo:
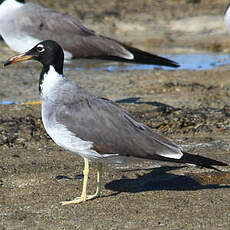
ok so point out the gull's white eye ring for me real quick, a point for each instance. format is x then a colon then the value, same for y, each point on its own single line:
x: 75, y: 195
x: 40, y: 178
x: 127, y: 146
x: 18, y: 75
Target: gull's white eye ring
x: 40, y: 48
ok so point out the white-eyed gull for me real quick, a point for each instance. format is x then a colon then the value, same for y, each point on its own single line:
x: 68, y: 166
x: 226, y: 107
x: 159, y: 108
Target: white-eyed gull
x: 93, y: 127
x: 23, y: 25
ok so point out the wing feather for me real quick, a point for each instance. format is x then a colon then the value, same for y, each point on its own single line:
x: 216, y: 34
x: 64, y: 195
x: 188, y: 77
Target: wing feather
x: 113, y: 130
x: 70, y: 33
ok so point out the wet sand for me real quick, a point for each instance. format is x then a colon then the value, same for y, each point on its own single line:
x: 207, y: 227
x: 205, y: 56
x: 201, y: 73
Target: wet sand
x: 191, y: 107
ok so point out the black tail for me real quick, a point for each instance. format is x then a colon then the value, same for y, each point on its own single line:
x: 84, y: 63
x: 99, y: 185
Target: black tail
x: 142, y: 57
x: 200, y: 161
x: 191, y: 159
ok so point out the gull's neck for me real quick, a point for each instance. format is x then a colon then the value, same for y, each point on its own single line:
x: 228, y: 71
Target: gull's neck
x: 9, y: 5
x: 49, y: 78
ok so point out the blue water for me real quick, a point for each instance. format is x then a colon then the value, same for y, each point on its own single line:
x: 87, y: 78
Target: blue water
x: 187, y: 62
x: 8, y: 102
x: 200, y: 61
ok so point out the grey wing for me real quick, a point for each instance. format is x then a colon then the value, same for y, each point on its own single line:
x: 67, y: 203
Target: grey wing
x: 113, y: 130
x: 70, y: 33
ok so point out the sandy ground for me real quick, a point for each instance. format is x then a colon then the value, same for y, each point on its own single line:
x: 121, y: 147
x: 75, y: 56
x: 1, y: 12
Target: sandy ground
x: 188, y: 106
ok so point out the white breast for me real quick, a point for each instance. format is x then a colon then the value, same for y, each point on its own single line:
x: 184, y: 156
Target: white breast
x: 50, y: 89
x: 227, y: 19
x: 17, y: 39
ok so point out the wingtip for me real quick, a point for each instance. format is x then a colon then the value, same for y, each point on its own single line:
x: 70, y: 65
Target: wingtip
x: 176, y: 65
x: 144, y: 57
x: 170, y: 63
x: 202, y: 161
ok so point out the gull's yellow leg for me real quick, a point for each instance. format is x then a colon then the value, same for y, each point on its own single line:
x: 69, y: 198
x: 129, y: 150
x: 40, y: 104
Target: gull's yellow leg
x: 99, y: 175
x: 85, y: 181
x: 84, y: 196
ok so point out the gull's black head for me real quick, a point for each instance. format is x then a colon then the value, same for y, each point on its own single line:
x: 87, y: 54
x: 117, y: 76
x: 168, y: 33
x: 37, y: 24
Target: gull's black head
x: 48, y: 52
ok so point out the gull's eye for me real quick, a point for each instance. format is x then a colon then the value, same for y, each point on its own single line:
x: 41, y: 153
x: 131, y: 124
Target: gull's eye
x: 40, y: 48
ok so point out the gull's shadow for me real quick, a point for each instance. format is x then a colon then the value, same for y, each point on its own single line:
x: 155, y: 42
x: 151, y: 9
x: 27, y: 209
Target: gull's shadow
x: 160, y: 106
x: 159, y: 179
